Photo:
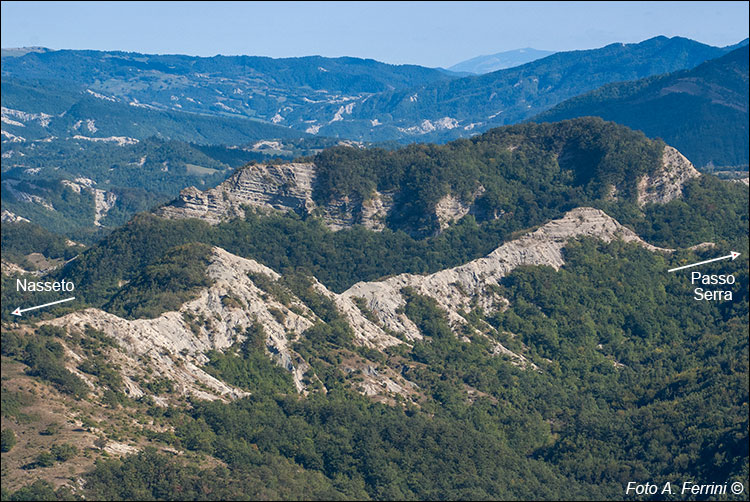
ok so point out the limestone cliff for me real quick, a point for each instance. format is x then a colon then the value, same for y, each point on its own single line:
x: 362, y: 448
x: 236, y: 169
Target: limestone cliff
x: 666, y: 184
x: 284, y: 187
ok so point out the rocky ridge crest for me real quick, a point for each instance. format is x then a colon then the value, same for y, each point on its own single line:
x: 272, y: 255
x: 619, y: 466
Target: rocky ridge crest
x: 175, y: 343
x: 289, y: 187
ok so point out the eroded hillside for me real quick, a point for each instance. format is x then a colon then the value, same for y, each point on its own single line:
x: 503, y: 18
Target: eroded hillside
x: 281, y: 326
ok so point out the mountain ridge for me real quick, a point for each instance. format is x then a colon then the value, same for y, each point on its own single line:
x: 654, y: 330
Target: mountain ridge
x: 352, y: 98
x: 297, y: 187
x: 455, y: 290
x: 499, y: 61
x: 461, y: 107
x: 702, y: 111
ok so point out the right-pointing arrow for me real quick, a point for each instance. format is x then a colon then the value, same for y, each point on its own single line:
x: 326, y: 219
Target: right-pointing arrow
x: 733, y: 255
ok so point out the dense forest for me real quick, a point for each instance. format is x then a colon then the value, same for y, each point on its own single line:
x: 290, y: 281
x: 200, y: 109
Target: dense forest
x: 703, y: 112
x: 630, y: 379
x: 648, y: 383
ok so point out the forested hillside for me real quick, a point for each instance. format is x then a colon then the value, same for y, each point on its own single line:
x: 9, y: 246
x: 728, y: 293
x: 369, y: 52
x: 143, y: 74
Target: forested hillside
x: 38, y: 109
x: 465, y: 106
x: 248, y: 358
x: 356, y: 99
x: 83, y: 188
x: 139, y: 85
x: 702, y: 112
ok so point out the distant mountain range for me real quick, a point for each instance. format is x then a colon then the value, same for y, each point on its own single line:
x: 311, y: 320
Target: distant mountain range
x: 236, y: 86
x: 41, y: 109
x: 465, y: 106
x: 500, y: 61
x: 349, y: 98
x: 703, y: 112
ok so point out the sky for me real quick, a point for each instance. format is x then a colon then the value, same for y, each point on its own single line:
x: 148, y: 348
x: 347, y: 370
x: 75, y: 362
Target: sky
x: 425, y: 33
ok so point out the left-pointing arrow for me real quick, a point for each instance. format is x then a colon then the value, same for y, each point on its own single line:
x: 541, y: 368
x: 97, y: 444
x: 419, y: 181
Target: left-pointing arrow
x: 20, y: 311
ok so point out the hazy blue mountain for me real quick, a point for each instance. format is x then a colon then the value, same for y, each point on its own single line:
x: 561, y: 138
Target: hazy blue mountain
x: 741, y: 43
x: 38, y: 109
x: 239, y: 86
x: 500, y: 61
x: 465, y: 106
x: 702, y: 112
x: 346, y: 97
x: 14, y: 52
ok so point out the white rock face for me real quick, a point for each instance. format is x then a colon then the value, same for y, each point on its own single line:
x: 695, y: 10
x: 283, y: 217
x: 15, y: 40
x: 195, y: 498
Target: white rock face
x: 450, y: 208
x: 667, y: 183
x: 120, y: 140
x: 12, y: 122
x: 174, y: 344
x: 464, y: 287
x: 376, y: 209
x: 176, y: 349
x: 101, y: 96
x: 344, y: 109
x: 11, y: 217
x: 103, y: 202
x: 427, y: 126
x: 12, y: 137
x: 285, y: 187
x: 9, y: 113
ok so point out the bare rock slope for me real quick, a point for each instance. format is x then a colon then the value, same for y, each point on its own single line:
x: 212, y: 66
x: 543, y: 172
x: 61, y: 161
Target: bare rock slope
x: 471, y: 285
x: 289, y: 187
x: 175, y: 343
x: 285, y: 187
x: 668, y: 182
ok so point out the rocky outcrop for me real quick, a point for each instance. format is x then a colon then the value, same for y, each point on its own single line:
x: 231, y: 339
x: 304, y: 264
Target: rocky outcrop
x: 103, y: 199
x: 472, y: 285
x: 375, y: 210
x: 103, y: 202
x: 12, y: 217
x: 666, y: 184
x: 450, y: 208
x: 285, y: 187
x: 174, y: 344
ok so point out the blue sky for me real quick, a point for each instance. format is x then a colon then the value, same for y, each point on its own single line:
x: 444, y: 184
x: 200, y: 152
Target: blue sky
x: 426, y: 33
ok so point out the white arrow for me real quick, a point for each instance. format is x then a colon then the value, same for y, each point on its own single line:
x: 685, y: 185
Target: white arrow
x: 19, y: 310
x: 732, y: 255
